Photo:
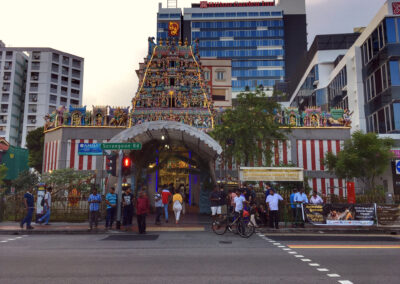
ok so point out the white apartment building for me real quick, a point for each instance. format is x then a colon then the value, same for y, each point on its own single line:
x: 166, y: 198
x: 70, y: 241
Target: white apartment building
x: 48, y: 78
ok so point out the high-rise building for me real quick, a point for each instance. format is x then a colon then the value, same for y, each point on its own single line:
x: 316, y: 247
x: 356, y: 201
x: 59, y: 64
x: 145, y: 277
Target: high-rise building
x: 35, y: 82
x: 264, y: 40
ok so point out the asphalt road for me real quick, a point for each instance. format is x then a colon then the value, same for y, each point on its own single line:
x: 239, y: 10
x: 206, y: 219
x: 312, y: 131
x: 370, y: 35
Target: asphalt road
x: 199, y: 257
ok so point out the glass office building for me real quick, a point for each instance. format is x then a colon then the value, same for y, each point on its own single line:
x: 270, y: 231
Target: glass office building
x: 264, y: 40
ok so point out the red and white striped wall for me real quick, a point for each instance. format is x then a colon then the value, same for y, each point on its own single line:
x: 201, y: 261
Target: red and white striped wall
x: 327, y: 186
x: 81, y: 162
x: 51, y: 156
x: 311, y: 153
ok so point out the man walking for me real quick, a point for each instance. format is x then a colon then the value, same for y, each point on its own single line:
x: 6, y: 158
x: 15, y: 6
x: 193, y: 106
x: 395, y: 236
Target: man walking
x: 111, y: 201
x: 159, y: 206
x: 300, y: 198
x: 166, y: 196
x: 127, y: 205
x: 94, y: 206
x: 273, y: 205
x: 47, y: 205
x: 29, y: 202
x: 143, y: 207
x: 215, y: 197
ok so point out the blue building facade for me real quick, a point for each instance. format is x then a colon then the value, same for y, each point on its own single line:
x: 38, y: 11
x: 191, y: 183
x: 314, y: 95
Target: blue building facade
x: 264, y: 40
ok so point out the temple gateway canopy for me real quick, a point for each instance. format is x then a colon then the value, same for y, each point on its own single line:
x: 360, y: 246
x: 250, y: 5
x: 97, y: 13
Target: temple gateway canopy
x: 193, y: 138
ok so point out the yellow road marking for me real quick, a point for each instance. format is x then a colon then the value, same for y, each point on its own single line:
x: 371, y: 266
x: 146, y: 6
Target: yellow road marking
x: 346, y: 246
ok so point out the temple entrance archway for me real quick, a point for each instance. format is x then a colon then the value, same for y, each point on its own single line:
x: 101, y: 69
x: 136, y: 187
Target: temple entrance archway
x: 176, y: 153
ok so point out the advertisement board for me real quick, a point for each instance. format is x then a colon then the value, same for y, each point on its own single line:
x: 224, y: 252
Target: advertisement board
x: 340, y: 214
x: 90, y: 149
x: 41, y: 191
x: 388, y: 215
x: 271, y: 174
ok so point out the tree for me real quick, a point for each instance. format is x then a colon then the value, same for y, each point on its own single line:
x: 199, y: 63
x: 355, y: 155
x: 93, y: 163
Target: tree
x: 25, y: 180
x: 251, y: 122
x: 67, y: 179
x: 364, y: 156
x: 35, y: 144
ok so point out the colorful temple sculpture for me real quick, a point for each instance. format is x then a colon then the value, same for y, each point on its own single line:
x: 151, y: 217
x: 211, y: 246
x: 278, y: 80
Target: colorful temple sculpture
x: 172, y: 87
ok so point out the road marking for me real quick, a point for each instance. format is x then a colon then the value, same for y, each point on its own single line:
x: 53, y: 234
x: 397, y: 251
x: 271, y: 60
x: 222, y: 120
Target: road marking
x: 292, y: 252
x: 281, y: 246
x: 277, y: 244
x: 345, y: 282
x: 287, y: 249
x: 322, y: 269
x: 305, y: 259
x: 333, y: 275
x: 299, y: 255
x: 313, y: 264
x: 18, y: 237
x: 11, y: 239
x: 3, y: 241
x: 345, y: 246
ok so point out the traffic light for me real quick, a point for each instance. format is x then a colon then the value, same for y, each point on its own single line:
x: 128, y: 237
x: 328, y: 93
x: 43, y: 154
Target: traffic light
x: 112, y: 164
x: 126, y: 166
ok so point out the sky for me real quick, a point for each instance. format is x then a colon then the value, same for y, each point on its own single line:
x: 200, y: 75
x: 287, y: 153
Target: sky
x: 112, y: 35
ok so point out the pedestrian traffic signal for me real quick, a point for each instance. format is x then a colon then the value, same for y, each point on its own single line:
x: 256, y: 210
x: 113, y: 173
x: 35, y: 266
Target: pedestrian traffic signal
x: 112, y: 164
x: 126, y: 166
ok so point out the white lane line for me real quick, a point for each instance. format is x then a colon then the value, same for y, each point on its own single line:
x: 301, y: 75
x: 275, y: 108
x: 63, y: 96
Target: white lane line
x: 18, y: 237
x: 11, y: 239
x: 292, y: 252
x: 322, y: 269
x: 3, y: 241
x: 345, y: 282
x: 306, y: 259
x: 281, y: 246
x: 313, y: 264
x: 277, y: 244
x: 333, y: 275
x: 287, y: 249
x: 299, y: 255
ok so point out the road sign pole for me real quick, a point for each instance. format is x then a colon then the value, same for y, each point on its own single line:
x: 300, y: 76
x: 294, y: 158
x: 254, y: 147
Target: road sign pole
x: 119, y: 189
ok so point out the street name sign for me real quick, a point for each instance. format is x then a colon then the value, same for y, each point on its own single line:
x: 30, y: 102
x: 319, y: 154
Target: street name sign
x: 121, y: 146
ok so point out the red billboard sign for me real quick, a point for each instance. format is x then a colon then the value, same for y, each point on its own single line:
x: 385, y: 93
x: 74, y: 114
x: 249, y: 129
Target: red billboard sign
x: 396, y: 8
x: 205, y: 4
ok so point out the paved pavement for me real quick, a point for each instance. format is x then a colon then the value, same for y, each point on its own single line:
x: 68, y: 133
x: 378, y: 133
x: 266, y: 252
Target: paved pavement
x: 198, y: 257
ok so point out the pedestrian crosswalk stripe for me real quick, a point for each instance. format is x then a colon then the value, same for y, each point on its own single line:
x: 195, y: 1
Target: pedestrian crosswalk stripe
x: 333, y: 275
x: 345, y: 246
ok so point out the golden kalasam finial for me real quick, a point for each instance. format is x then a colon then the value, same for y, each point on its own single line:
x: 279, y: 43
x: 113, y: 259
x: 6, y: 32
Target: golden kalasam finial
x: 186, y: 42
x: 167, y: 42
x: 180, y: 42
x: 160, y: 42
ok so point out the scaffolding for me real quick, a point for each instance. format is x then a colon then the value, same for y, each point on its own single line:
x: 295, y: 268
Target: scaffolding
x: 172, y: 4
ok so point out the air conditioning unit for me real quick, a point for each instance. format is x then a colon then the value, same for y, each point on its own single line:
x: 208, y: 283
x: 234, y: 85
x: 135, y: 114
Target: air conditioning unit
x: 35, y: 77
x: 33, y: 120
x: 36, y: 56
x: 34, y: 99
x: 5, y: 77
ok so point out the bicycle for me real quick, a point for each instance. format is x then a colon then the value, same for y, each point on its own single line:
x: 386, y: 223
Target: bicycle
x: 241, y: 225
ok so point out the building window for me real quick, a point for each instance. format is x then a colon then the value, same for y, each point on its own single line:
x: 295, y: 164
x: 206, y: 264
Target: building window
x: 391, y: 30
x: 207, y: 75
x: 56, y: 57
x: 220, y: 75
x: 394, y: 73
x: 36, y: 55
x: 396, y: 116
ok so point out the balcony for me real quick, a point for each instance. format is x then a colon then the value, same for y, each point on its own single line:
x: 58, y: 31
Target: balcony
x: 76, y: 74
x: 54, y: 80
x: 5, y: 98
x: 33, y: 99
x: 3, y: 121
x: 35, y: 66
x: 64, y: 91
x: 76, y: 63
x: 32, y: 110
x: 75, y: 95
x: 65, y: 71
x: 2, y: 132
x: 54, y: 68
x: 33, y: 89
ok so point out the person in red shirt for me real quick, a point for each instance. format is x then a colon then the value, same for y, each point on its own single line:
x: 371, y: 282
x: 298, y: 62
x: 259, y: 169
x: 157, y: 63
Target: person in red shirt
x: 143, y: 208
x: 165, y: 196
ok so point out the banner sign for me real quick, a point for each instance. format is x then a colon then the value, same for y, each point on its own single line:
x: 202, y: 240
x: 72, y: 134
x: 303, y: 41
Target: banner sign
x: 396, y: 152
x: 270, y: 174
x: 351, y: 192
x: 340, y: 214
x: 205, y: 4
x: 173, y: 29
x: 90, y: 149
x: 388, y: 215
x: 41, y: 191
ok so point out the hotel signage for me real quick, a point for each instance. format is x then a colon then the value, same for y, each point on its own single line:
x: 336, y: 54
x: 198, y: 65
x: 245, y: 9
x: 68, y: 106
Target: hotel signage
x: 205, y: 4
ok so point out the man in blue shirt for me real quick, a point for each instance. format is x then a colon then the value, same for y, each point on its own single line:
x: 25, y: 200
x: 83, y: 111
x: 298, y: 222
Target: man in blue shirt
x: 292, y: 204
x: 111, y: 201
x: 29, y: 202
x: 300, y: 198
x: 94, y: 206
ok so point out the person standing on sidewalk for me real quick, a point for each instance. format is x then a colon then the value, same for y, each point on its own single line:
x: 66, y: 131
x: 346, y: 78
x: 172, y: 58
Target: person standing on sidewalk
x: 292, y: 204
x: 94, y: 206
x: 159, y: 207
x: 166, y: 195
x: 177, y: 201
x: 273, y: 205
x: 142, y: 207
x: 300, y: 198
x: 29, y: 202
x: 215, y: 197
x: 111, y: 201
x: 127, y: 205
x: 316, y: 199
x: 47, y: 205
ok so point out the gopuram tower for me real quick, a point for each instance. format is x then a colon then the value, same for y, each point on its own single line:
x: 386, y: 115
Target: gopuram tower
x: 172, y: 87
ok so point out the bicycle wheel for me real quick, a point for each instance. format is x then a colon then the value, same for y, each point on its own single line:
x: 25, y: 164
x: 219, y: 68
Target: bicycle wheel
x: 220, y: 225
x: 246, y: 228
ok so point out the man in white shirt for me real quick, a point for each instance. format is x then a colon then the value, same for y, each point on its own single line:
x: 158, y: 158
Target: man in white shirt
x: 47, y: 205
x: 316, y: 199
x: 239, y: 200
x: 300, y: 198
x: 273, y: 205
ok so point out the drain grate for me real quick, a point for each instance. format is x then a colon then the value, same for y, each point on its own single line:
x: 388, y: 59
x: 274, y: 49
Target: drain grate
x: 225, y: 242
x: 131, y: 238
